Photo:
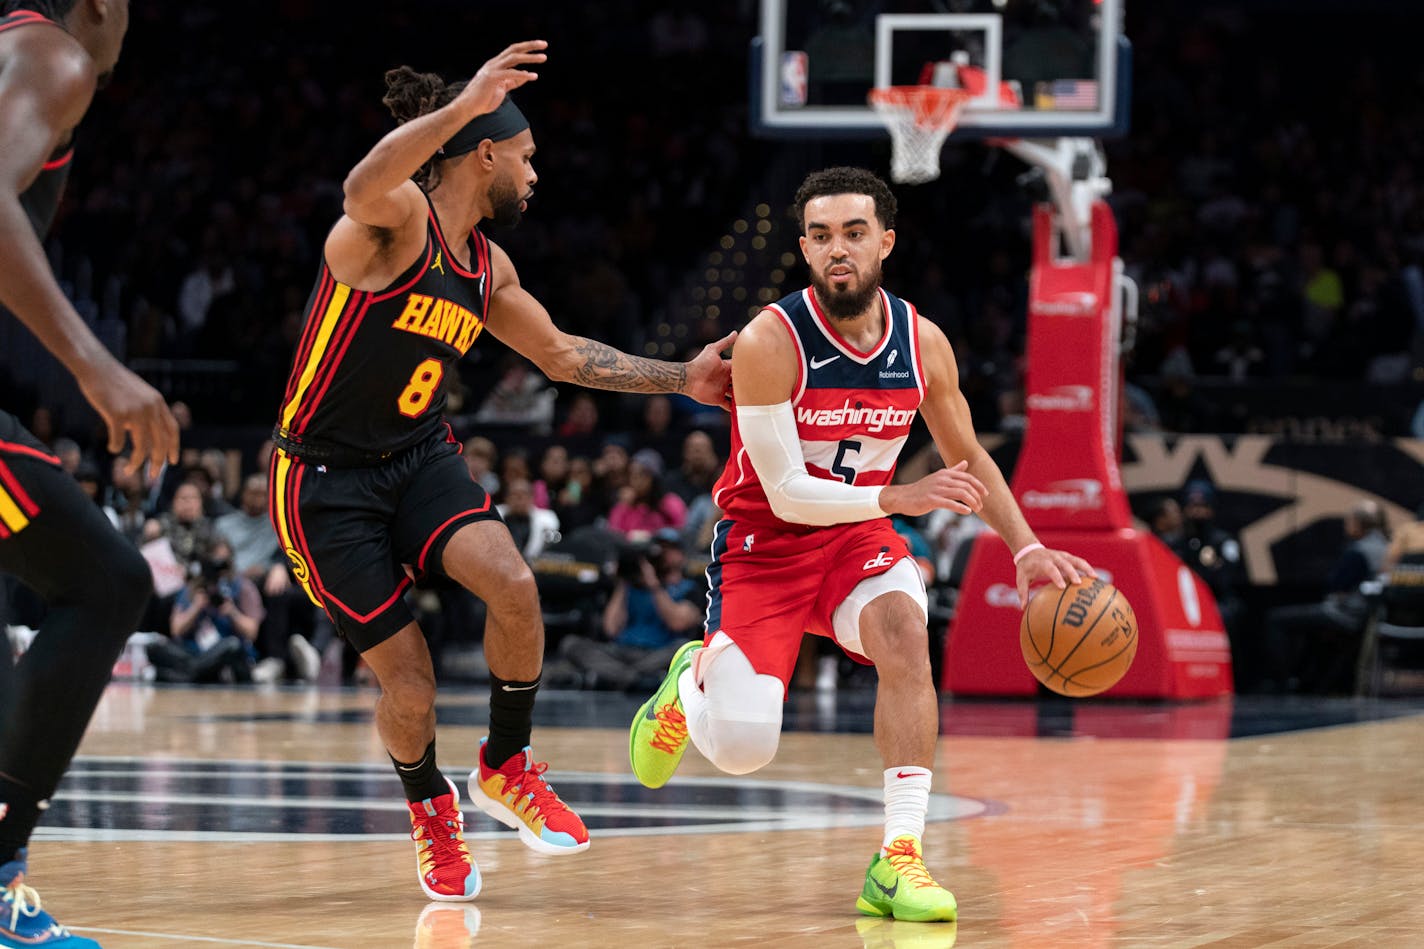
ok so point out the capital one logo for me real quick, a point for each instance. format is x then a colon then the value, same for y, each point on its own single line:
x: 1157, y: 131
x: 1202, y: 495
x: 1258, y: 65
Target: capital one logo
x: 1072, y: 494
x: 1002, y: 595
x: 1063, y: 399
x: 1076, y: 303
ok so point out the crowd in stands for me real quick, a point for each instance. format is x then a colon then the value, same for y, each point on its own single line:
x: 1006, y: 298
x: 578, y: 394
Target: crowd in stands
x: 1266, y: 249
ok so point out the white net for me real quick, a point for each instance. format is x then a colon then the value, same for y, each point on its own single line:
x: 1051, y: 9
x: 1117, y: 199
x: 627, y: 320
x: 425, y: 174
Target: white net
x: 919, y: 118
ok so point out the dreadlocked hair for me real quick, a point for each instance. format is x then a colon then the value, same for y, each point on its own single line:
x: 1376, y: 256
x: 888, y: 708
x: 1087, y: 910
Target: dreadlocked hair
x: 411, y: 94
x: 53, y: 9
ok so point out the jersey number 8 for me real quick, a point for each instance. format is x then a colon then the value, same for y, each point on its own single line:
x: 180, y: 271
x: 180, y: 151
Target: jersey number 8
x: 423, y: 382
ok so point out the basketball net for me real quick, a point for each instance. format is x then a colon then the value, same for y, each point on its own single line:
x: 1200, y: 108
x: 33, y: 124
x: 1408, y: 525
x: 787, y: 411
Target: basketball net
x: 919, y: 118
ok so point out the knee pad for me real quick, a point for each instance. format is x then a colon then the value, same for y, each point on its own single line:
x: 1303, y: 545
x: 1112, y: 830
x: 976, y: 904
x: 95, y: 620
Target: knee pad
x: 742, y: 747
x: 743, y: 717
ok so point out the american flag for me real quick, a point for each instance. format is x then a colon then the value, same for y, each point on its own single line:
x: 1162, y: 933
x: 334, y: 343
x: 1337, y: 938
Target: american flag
x: 1074, y: 93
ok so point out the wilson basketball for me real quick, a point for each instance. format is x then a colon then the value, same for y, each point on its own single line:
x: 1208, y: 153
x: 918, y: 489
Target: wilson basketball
x: 1080, y: 640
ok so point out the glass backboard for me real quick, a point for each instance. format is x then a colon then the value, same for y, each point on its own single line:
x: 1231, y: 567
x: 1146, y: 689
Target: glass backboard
x: 1038, y: 68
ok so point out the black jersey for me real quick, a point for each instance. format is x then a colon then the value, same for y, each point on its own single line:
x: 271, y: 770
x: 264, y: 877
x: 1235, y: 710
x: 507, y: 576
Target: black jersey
x: 367, y: 377
x: 41, y: 199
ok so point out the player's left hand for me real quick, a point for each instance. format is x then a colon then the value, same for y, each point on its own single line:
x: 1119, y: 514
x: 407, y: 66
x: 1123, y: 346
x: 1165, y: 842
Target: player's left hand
x: 1055, y: 566
x: 709, y: 376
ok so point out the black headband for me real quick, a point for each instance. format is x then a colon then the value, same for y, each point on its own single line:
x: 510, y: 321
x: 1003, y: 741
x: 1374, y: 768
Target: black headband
x: 505, y: 122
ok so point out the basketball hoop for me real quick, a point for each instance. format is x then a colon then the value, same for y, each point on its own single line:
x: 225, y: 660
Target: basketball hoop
x: 919, y: 118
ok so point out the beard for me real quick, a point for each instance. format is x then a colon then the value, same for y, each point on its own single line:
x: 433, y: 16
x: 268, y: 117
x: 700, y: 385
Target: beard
x: 847, y: 302
x: 504, y: 199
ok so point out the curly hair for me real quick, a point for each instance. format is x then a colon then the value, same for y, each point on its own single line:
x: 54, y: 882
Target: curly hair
x: 845, y: 180
x: 411, y: 94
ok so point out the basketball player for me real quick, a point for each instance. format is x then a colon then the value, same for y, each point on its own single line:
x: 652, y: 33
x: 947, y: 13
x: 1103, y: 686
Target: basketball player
x: 826, y: 384
x: 95, y: 585
x: 369, y: 490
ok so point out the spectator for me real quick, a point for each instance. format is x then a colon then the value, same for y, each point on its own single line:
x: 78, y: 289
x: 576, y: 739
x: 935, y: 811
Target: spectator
x: 128, y: 500
x: 657, y: 432
x: 653, y: 610
x: 533, y: 528
x: 520, y: 397
x: 1310, y: 646
x: 577, y: 504
x: 257, y: 556
x: 582, y: 420
x: 214, y: 625
x: 69, y: 454
x: 480, y: 454
x: 1215, y: 556
x: 553, y: 476
x: 187, y: 529
x: 699, y: 470
x: 644, y: 506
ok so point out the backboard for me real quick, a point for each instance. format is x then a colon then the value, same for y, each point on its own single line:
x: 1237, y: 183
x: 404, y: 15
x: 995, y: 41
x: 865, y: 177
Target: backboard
x: 1038, y: 68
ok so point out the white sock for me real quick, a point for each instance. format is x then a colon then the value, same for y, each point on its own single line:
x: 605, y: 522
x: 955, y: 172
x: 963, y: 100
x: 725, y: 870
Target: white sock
x: 907, y: 800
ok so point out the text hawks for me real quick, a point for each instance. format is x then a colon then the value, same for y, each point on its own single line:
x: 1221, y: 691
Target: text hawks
x: 440, y: 319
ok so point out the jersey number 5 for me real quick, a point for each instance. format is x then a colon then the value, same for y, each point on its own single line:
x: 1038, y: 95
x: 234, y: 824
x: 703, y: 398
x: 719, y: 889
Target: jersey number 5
x: 421, y: 389
x: 839, y: 467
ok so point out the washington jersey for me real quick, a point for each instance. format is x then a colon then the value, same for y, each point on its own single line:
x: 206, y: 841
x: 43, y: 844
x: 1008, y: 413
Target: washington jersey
x: 41, y: 199
x: 367, y: 377
x: 853, y: 409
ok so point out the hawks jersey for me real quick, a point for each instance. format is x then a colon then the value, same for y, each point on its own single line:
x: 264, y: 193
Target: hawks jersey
x: 366, y: 378
x: 853, y: 409
x: 41, y: 199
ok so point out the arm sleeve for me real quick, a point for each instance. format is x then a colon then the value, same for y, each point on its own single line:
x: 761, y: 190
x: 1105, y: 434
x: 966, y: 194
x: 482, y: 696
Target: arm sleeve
x: 796, y: 496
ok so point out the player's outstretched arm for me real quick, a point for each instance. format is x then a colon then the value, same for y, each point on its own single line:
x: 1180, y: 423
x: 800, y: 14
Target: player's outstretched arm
x: 521, y: 322
x: 44, y: 92
x: 374, y: 192
x: 947, y: 416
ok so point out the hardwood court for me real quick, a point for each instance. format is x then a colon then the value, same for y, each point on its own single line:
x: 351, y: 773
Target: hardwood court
x: 216, y: 817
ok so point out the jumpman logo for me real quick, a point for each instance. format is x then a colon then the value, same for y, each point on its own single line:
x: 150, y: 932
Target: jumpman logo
x: 439, y: 264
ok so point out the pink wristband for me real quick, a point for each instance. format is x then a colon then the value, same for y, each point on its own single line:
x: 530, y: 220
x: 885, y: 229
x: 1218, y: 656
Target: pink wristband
x: 1026, y: 551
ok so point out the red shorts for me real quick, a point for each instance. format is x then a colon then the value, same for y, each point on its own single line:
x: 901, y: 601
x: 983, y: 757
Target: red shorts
x: 768, y: 588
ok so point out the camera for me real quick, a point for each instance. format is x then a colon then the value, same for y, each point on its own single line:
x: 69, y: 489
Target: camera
x: 631, y: 558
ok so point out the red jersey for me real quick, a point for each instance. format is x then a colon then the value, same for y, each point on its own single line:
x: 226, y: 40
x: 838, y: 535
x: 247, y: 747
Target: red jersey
x: 853, y: 409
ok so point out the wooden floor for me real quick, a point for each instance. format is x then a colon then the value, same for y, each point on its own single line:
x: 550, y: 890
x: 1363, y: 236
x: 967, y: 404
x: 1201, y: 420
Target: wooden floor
x: 218, y: 817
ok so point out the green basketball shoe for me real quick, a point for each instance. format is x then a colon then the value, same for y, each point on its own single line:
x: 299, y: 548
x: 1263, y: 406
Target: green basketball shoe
x: 898, y: 885
x: 659, y: 733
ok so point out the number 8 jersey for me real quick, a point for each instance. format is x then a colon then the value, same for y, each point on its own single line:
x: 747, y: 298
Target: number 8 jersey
x: 853, y: 409
x: 366, y: 380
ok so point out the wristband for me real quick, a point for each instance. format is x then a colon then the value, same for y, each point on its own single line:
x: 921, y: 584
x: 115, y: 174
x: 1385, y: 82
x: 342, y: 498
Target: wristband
x: 1026, y: 551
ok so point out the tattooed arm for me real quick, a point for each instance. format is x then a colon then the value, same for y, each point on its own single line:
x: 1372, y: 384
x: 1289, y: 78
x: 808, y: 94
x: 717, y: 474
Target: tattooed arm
x: 521, y: 322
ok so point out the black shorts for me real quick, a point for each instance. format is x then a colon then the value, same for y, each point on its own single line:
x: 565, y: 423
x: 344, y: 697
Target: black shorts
x: 350, y: 533
x: 28, y: 473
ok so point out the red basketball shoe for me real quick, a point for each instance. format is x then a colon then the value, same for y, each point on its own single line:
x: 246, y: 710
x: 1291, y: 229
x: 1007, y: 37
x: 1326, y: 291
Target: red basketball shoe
x: 447, y: 871
x: 517, y: 796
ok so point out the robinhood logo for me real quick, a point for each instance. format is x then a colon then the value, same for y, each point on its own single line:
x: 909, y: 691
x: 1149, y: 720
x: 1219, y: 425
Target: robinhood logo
x: 1063, y: 399
x: 1066, y: 304
x: 1074, y: 494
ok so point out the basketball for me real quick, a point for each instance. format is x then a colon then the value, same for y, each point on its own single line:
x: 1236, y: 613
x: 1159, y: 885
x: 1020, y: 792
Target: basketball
x: 1080, y: 640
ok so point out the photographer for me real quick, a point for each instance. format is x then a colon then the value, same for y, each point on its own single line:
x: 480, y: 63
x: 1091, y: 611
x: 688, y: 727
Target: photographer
x: 654, y: 609
x: 216, y: 616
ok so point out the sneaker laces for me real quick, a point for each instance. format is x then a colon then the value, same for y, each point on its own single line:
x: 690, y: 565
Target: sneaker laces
x: 905, y: 857
x: 24, y: 899
x: 672, y: 729
x: 538, y: 793
x: 443, y: 845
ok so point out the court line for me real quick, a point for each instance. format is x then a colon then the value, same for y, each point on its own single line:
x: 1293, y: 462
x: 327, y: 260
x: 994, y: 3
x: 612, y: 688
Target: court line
x: 213, y: 939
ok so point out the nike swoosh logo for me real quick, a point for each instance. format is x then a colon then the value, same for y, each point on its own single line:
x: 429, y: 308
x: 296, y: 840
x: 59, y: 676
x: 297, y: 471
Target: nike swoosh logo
x: 888, y: 891
x: 519, y: 688
x: 818, y: 363
x: 901, y: 774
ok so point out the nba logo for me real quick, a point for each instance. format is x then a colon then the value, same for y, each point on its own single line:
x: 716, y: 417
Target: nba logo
x: 794, y: 67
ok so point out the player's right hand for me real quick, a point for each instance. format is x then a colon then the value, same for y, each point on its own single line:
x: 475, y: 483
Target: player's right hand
x: 133, y: 409
x: 500, y: 75
x: 953, y: 488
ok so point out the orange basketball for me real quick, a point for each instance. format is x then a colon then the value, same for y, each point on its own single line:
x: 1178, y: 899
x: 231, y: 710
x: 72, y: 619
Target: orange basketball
x: 1080, y: 640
